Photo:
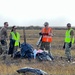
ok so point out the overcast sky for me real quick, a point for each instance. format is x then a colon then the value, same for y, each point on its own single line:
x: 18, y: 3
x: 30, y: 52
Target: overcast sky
x: 36, y: 12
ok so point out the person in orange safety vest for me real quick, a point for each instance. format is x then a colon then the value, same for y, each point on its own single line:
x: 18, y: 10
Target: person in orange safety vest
x: 46, y: 40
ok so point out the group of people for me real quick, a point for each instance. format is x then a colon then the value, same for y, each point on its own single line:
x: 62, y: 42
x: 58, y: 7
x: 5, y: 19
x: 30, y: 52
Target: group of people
x: 46, y: 39
x: 14, y: 40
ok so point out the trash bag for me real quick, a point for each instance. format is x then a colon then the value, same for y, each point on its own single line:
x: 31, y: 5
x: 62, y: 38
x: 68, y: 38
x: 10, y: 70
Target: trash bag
x: 17, y: 54
x: 44, y: 56
x: 26, y: 50
x: 31, y: 70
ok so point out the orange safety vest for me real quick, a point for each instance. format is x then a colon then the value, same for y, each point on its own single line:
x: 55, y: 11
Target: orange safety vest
x: 47, y: 38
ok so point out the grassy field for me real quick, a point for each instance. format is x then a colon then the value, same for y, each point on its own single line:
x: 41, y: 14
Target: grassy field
x: 57, y: 67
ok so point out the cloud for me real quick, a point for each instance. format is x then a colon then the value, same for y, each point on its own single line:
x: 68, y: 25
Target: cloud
x: 36, y: 12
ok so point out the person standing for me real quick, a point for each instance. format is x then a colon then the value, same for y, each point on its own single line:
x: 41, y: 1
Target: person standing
x: 4, y: 37
x: 46, y: 40
x: 69, y: 40
x: 14, y: 41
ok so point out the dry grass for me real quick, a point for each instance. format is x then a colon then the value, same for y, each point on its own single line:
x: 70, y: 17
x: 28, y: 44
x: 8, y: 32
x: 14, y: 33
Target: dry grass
x: 54, y: 68
x: 57, y: 67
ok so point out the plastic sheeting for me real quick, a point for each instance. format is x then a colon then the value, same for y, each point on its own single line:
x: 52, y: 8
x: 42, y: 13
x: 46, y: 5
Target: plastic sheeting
x: 32, y: 70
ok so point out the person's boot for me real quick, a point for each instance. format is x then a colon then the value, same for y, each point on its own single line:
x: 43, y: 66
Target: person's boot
x: 69, y: 59
x: 11, y: 55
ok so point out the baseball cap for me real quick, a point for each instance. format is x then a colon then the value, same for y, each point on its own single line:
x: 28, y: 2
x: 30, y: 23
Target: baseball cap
x: 46, y: 23
x: 68, y: 25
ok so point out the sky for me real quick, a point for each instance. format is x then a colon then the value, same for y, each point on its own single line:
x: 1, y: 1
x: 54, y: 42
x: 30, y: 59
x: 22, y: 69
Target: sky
x: 36, y: 12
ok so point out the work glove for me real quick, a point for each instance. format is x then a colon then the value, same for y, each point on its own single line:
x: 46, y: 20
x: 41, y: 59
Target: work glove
x: 43, y: 33
x: 40, y: 33
x: 70, y: 44
x: 64, y: 46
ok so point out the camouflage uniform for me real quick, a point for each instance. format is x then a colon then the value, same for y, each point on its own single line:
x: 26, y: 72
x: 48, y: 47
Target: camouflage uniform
x: 67, y: 48
x: 46, y: 40
x: 67, y: 51
x: 3, y: 36
x: 45, y: 45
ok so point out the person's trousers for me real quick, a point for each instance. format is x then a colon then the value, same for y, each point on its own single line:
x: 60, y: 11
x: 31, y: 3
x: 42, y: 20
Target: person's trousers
x: 67, y: 51
x: 15, y: 50
x: 4, y: 46
x: 46, y: 46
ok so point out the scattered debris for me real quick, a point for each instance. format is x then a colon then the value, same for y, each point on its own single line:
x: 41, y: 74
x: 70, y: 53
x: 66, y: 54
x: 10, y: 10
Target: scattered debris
x: 30, y: 71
